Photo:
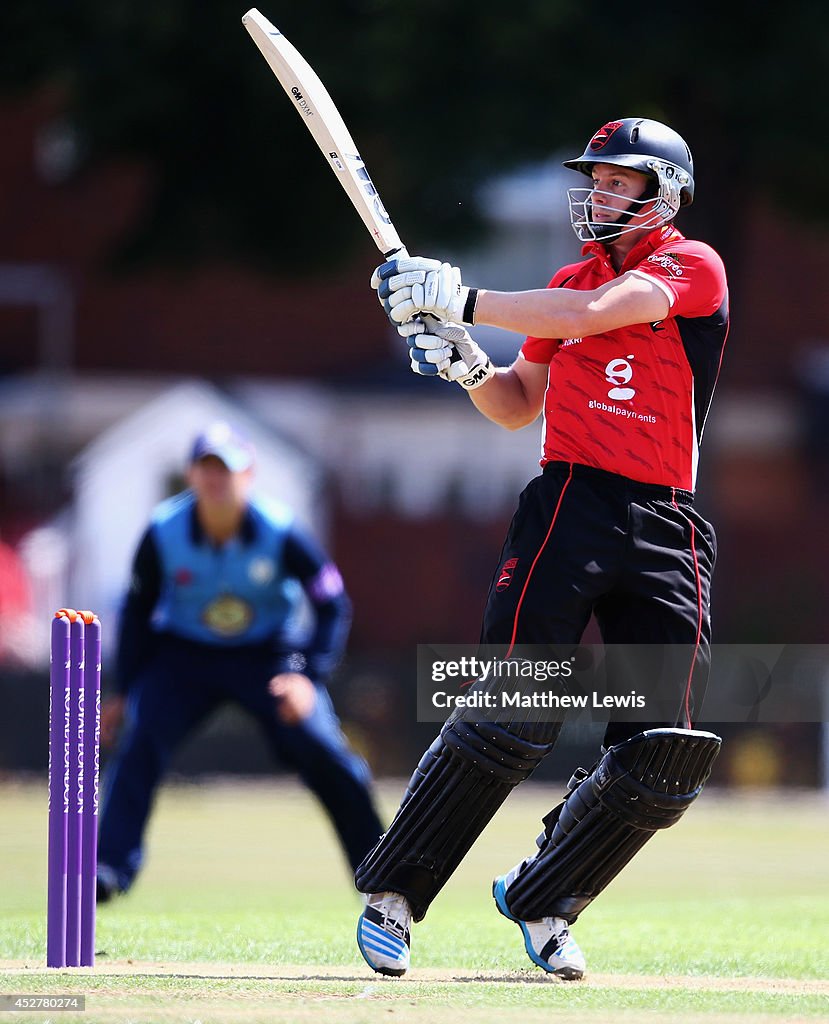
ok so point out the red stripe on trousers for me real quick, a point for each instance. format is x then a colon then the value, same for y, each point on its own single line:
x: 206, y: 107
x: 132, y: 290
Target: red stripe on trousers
x: 535, y: 561
x: 687, y: 699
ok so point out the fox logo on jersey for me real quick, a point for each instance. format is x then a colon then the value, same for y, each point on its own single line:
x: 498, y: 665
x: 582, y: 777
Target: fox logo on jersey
x: 505, y: 574
x: 602, y: 136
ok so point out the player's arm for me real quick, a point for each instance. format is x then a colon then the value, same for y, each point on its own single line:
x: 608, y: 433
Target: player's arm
x: 305, y: 560
x: 295, y: 692
x: 513, y: 397
x: 136, y: 639
x: 417, y: 286
x: 569, y: 313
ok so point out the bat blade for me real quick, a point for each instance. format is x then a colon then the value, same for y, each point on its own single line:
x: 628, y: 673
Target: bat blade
x: 323, y: 121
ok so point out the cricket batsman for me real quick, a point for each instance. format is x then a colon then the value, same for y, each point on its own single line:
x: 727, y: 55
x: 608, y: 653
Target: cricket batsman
x: 622, y: 355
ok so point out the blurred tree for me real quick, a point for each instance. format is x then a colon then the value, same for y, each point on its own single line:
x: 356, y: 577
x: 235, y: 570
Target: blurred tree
x: 438, y: 95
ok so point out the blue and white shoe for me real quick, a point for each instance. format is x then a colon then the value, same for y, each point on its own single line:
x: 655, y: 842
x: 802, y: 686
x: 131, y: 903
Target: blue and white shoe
x: 548, y: 941
x: 383, y: 932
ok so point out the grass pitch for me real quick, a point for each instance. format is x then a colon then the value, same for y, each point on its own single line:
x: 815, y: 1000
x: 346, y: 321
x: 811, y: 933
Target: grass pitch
x: 245, y: 913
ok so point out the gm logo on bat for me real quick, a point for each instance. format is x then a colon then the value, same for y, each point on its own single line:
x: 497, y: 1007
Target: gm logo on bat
x: 301, y: 102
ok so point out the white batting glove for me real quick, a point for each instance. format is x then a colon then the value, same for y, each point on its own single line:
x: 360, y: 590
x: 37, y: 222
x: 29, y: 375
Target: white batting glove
x: 447, y: 351
x: 430, y: 354
x: 416, y: 285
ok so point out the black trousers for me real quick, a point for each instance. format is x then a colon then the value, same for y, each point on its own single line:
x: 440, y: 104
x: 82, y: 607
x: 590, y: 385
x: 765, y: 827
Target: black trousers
x: 637, y: 556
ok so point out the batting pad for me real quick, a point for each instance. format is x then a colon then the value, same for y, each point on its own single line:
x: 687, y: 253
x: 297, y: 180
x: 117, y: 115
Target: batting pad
x: 640, y: 786
x: 459, y: 784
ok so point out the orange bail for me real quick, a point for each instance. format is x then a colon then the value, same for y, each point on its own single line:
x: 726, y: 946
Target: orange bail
x: 70, y: 613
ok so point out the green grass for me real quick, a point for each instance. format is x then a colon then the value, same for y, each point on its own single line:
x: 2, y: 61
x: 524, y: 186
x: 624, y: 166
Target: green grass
x: 245, y: 912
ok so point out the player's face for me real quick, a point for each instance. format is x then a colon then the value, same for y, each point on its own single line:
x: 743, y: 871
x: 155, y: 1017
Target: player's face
x: 213, y: 483
x: 613, y: 189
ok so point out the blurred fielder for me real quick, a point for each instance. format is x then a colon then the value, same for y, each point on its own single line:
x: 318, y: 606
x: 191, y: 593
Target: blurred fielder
x: 212, y: 615
x: 622, y: 356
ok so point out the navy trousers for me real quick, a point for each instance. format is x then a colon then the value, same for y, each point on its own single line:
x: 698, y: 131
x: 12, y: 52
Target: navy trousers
x: 182, y: 685
x: 637, y: 556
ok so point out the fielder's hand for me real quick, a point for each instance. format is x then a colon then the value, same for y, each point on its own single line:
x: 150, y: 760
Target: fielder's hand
x: 416, y: 285
x: 447, y: 351
x: 295, y: 694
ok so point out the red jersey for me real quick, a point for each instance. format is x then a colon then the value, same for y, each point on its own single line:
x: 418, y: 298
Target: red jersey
x: 633, y: 401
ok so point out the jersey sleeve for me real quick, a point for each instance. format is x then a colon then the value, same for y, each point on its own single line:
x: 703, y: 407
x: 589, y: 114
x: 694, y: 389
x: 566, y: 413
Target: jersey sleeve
x: 136, y: 639
x: 690, y: 273
x: 323, y: 585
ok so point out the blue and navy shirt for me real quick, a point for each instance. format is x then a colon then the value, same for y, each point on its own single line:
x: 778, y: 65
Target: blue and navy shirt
x: 251, y: 591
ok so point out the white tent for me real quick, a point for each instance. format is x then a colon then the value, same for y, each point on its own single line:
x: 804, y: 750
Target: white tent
x: 133, y: 465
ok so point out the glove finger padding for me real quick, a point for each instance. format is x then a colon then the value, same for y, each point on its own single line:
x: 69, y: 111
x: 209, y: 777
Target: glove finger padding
x: 428, y: 364
x: 440, y: 348
x: 413, y: 327
x: 431, y: 342
x: 402, y: 306
x: 429, y: 354
x: 457, y: 368
x: 425, y: 369
x: 415, y: 285
x: 405, y: 302
x: 394, y: 284
x: 411, y: 263
x: 391, y: 268
x: 436, y: 356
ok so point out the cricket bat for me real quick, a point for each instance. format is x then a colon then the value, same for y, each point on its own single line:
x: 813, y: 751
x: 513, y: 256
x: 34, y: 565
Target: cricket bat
x: 323, y: 120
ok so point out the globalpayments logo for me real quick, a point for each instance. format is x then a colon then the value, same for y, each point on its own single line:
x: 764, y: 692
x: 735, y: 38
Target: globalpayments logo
x: 619, y: 372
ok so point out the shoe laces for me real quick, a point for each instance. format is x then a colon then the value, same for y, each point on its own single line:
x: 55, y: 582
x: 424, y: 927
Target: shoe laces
x: 396, y: 912
x: 559, y: 927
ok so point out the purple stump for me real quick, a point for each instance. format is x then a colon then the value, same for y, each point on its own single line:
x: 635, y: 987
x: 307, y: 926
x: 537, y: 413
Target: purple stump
x: 76, y: 773
x: 89, y: 837
x: 58, y: 792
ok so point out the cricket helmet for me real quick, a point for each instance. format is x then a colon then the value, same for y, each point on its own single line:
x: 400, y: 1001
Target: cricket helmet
x: 643, y: 145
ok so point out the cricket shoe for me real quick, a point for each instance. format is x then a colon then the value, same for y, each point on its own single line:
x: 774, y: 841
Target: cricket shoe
x: 548, y: 941
x: 383, y: 932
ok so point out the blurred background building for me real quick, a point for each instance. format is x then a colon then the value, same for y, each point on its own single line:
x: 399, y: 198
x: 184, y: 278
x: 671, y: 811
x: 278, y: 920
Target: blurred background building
x: 172, y: 247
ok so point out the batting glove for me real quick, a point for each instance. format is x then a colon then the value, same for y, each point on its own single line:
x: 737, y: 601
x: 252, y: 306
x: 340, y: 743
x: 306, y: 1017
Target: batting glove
x: 447, y: 351
x: 414, y: 285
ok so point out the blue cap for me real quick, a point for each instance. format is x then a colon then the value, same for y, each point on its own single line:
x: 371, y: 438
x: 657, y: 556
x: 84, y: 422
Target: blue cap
x: 226, y: 443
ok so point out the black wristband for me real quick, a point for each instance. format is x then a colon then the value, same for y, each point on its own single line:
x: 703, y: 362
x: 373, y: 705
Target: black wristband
x: 469, y: 306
